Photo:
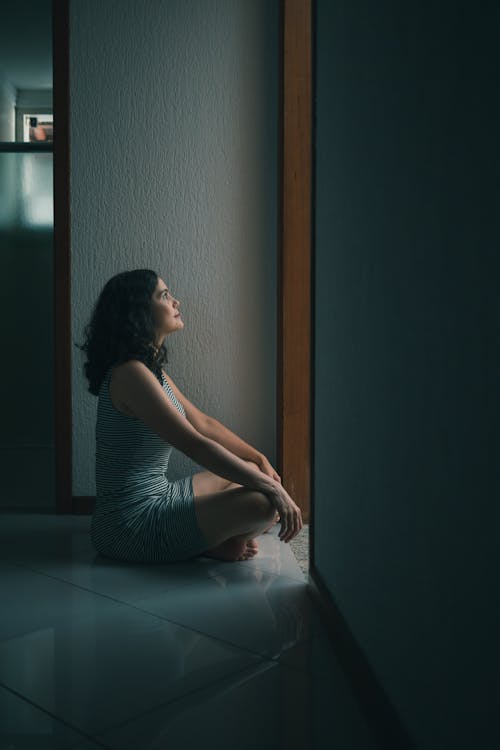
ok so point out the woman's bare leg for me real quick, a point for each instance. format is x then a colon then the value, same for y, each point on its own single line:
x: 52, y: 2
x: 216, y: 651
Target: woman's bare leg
x: 207, y: 482
x: 276, y: 518
x: 246, y: 547
x: 230, y: 521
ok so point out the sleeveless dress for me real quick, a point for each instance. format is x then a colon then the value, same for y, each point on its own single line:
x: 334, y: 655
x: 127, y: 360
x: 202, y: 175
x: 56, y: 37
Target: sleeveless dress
x: 140, y: 516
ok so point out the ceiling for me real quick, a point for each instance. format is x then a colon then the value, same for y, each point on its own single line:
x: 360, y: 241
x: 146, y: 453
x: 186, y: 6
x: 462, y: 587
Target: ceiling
x: 26, y: 43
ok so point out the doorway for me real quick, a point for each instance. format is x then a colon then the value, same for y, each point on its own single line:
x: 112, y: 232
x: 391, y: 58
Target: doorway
x: 294, y: 398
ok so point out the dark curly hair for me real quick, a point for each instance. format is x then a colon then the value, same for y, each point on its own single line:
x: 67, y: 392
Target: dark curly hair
x: 121, y: 327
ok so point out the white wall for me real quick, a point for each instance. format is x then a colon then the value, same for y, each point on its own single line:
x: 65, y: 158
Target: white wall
x: 173, y: 167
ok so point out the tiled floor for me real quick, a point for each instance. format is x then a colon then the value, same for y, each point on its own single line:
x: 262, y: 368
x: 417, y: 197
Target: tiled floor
x: 96, y: 653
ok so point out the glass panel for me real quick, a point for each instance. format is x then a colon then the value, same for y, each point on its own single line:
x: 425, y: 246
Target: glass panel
x: 26, y: 190
x: 26, y: 329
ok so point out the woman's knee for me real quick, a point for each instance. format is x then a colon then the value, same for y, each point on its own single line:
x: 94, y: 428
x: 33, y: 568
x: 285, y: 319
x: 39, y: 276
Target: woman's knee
x: 262, y: 505
x: 233, y: 485
x: 226, y: 514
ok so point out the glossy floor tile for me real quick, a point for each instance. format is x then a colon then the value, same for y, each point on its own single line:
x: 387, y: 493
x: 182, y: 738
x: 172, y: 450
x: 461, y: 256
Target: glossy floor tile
x: 251, y: 609
x: 23, y: 725
x: 96, y: 653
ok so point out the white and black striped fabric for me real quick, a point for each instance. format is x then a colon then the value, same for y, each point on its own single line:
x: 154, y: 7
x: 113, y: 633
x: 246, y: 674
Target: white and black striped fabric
x: 140, y: 516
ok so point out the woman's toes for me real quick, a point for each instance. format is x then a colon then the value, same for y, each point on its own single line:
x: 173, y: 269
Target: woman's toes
x: 251, y: 549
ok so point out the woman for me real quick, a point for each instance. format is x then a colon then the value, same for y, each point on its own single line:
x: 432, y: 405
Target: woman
x: 140, y: 515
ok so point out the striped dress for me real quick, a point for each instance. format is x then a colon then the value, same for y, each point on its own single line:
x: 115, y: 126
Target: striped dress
x: 140, y: 516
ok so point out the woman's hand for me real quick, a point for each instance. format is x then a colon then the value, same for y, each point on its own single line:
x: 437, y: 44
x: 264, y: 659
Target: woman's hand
x: 290, y: 513
x: 266, y: 467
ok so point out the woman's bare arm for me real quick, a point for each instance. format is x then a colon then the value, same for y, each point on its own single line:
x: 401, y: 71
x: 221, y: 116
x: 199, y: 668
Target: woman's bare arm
x: 148, y: 401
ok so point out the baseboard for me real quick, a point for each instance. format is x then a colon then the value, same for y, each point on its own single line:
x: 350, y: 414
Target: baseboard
x: 378, y: 711
x: 83, y: 504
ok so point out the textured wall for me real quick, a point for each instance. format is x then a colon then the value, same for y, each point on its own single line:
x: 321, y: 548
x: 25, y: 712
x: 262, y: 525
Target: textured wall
x: 407, y: 358
x: 173, y: 167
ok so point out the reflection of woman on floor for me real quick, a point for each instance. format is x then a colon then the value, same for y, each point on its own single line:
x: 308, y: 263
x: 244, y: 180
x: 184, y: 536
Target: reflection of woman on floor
x: 140, y: 515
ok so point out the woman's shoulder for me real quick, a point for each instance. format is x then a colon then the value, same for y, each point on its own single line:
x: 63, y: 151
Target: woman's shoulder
x: 129, y: 375
x: 121, y: 385
x: 129, y: 364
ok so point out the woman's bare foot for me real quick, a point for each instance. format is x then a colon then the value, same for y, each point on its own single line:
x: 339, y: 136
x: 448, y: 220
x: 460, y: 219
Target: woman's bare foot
x: 233, y: 549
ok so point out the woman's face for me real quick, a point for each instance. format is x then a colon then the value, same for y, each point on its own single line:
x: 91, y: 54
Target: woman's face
x: 165, y: 310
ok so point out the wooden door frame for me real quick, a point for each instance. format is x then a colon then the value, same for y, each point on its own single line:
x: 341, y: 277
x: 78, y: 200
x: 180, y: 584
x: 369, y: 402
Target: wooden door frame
x: 295, y: 363
x: 62, y: 257
x: 294, y: 356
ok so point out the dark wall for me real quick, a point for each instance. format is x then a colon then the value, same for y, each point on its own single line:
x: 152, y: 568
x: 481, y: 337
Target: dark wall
x: 406, y: 351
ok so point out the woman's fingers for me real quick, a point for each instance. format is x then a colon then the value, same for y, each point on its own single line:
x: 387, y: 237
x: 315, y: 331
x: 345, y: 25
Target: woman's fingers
x: 289, y: 513
x: 291, y: 524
